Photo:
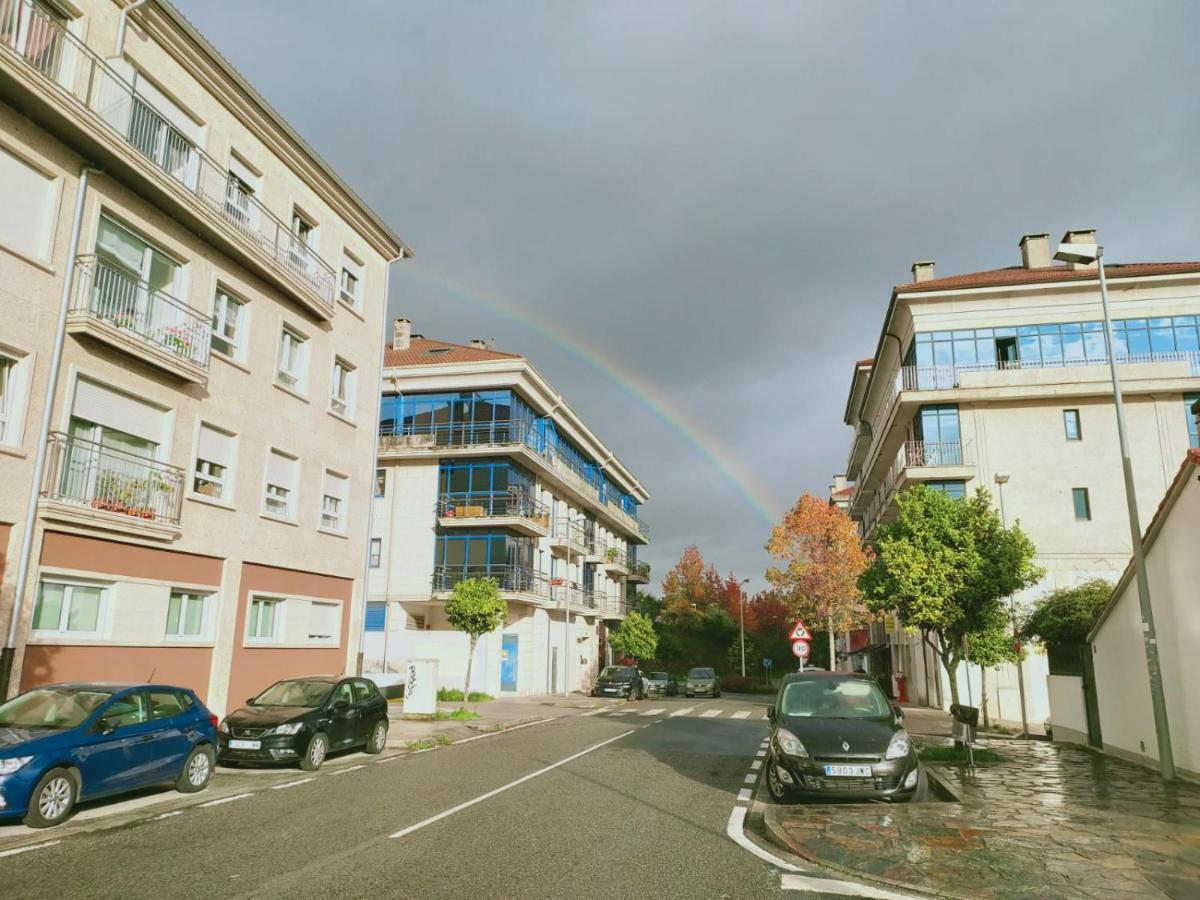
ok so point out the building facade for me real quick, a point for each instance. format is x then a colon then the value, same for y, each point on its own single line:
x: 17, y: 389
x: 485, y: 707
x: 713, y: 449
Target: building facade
x: 485, y: 472
x: 999, y: 379
x: 191, y: 299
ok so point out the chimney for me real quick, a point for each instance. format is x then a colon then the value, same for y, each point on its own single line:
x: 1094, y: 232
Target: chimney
x: 1080, y: 236
x: 401, y: 334
x: 479, y: 343
x: 922, y: 271
x: 1035, y: 251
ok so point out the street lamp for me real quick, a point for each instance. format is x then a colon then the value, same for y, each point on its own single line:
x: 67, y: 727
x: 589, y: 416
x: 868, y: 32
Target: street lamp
x: 1087, y: 254
x: 1001, y: 481
x: 742, y: 620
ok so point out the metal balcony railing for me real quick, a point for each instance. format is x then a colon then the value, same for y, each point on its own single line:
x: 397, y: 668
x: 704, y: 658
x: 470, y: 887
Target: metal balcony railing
x: 510, y: 579
x: 565, y: 531
x: 106, y: 293
x: 509, y: 503
x: 111, y: 480
x: 945, y: 377
x: 639, y: 569
x: 935, y: 453
x: 571, y: 594
x: 615, y: 556
x: 30, y: 32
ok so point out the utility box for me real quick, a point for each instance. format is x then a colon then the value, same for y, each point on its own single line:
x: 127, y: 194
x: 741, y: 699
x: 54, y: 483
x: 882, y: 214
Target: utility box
x: 420, y: 689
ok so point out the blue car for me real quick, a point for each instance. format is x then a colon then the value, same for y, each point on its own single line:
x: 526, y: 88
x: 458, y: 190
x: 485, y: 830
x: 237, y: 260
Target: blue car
x: 68, y: 742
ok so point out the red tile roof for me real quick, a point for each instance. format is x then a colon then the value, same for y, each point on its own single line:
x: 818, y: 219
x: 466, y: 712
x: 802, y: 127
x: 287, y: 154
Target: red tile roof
x: 844, y: 492
x: 1015, y: 275
x: 424, y: 352
x: 865, y: 362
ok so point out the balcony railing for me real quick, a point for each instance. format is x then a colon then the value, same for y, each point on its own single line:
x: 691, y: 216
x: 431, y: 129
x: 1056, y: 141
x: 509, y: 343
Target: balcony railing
x: 615, y: 556
x: 934, y: 453
x: 30, y: 32
x: 110, y: 480
x: 945, y: 377
x: 105, y: 293
x: 511, y: 579
x: 565, y: 531
x: 510, y: 503
x: 572, y: 594
x: 639, y: 569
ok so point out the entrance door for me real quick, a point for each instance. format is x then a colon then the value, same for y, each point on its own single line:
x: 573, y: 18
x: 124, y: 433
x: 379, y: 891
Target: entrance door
x: 1006, y: 352
x: 509, y: 652
x: 1091, y: 701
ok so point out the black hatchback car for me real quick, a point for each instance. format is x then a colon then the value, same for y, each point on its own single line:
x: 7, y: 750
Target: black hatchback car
x: 836, y: 734
x: 305, y: 719
x: 620, y: 681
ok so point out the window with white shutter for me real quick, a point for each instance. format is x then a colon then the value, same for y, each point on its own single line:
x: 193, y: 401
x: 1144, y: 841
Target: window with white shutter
x: 293, y: 360
x: 279, y: 497
x: 13, y: 392
x: 351, y: 281
x: 324, y: 622
x: 341, y: 387
x: 27, y: 213
x: 334, y: 494
x: 214, y: 463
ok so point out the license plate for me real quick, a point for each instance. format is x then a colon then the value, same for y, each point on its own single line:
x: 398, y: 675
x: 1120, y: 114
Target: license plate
x: 245, y: 745
x: 848, y: 771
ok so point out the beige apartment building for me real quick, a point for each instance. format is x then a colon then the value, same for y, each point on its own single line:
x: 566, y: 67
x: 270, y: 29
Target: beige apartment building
x: 485, y: 471
x: 999, y: 379
x: 191, y: 301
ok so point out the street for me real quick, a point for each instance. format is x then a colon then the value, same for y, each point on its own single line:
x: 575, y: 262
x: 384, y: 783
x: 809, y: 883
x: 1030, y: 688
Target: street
x: 630, y: 802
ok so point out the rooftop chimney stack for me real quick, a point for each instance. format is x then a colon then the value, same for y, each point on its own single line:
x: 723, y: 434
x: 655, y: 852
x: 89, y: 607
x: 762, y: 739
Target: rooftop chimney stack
x: 922, y: 271
x: 1080, y: 236
x: 1035, y: 251
x: 479, y: 343
x: 401, y: 334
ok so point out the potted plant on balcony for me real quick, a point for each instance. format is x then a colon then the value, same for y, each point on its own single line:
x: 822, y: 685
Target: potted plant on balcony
x: 612, y: 554
x: 107, y: 491
x: 177, y: 340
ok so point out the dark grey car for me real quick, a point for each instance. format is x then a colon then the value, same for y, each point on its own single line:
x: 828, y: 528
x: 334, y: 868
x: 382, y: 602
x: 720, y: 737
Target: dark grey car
x: 836, y: 734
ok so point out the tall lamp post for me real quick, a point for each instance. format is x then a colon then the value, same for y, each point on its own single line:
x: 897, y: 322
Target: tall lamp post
x: 1088, y: 254
x: 1001, y: 481
x: 742, y: 620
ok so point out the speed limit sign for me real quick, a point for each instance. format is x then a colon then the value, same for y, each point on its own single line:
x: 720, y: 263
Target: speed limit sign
x: 801, y: 649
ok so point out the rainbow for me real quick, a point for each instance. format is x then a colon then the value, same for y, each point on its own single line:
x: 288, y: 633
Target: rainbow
x: 755, y: 491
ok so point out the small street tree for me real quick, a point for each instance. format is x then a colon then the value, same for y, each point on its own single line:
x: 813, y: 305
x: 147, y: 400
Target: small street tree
x: 822, y: 560
x: 635, y: 637
x: 1065, y: 616
x: 991, y: 646
x: 476, y: 608
x: 944, y: 566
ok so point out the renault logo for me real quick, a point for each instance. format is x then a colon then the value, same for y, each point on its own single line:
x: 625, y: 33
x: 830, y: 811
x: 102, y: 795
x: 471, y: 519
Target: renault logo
x: 846, y: 745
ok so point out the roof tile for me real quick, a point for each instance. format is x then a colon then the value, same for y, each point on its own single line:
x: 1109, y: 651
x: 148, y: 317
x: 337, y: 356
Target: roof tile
x: 1015, y: 275
x: 424, y: 352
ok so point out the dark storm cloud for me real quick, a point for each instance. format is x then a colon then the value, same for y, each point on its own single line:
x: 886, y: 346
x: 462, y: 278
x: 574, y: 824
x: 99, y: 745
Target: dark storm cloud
x: 723, y: 194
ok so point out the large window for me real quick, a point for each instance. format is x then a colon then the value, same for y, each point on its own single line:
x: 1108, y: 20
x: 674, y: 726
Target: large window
x: 188, y: 616
x: 69, y: 609
x: 938, y: 436
x: 214, y: 463
x: 478, y: 416
x: 472, y: 552
x: 229, y: 325
x: 489, y: 483
x: 265, y: 622
x: 954, y: 489
x: 131, y: 259
x: 1189, y: 400
x: 279, y: 497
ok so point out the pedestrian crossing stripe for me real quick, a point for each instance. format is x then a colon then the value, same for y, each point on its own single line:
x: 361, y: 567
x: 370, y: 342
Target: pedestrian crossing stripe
x: 710, y: 713
x: 684, y: 711
x: 654, y: 712
x: 741, y: 714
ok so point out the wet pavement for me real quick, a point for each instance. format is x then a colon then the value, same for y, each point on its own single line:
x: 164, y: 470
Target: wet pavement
x: 1048, y: 821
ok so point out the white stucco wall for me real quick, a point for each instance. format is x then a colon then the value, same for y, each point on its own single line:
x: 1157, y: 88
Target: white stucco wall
x: 1068, y: 709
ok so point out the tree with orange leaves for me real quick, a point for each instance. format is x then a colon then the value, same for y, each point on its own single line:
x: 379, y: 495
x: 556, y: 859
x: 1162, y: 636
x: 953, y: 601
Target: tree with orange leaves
x: 822, y: 558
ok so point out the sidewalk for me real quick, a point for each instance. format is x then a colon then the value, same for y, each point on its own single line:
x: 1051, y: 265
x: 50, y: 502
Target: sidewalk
x: 1050, y: 820
x: 494, y: 715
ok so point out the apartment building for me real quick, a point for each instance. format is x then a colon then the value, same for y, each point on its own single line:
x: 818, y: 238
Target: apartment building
x: 485, y: 472
x: 192, y: 299
x: 999, y: 379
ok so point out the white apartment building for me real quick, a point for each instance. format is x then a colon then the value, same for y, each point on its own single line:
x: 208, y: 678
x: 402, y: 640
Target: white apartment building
x: 191, y: 299
x: 485, y: 471
x: 999, y: 379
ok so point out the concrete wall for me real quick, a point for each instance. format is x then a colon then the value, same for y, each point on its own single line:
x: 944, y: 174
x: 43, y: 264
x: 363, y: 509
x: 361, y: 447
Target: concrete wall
x: 1069, y: 718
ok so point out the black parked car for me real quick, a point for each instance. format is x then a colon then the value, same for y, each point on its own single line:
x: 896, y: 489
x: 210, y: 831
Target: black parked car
x: 303, y: 720
x: 620, y: 681
x: 836, y: 734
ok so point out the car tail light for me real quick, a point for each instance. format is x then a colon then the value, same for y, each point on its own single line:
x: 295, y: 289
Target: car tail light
x: 213, y: 720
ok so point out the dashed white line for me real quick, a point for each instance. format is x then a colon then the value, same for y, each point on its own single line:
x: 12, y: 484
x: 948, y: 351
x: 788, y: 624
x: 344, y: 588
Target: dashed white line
x: 27, y: 849
x: 751, y: 778
x: 710, y: 713
x: 221, y: 800
x: 756, y: 765
x: 348, y: 769
x: 619, y: 712
x: 288, y: 784
x: 761, y: 753
x: 741, y: 714
x: 744, y: 795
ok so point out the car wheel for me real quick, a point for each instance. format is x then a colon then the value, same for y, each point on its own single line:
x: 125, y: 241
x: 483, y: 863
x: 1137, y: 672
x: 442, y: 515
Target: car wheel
x: 378, y: 739
x: 197, y: 771
x: 314, y: 756
x: 52, y: 799
x: 779, y: 791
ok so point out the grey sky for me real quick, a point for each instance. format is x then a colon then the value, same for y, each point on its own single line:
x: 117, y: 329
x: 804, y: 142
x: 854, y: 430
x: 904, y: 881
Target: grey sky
x: 722, y: 194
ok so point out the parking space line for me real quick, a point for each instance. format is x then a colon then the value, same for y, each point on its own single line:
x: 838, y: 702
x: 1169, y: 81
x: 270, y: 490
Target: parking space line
x: 654, y: 712
x: 221, y: 800
x: 288, y: 784
x: 741, y: 714
x: 710, y: 713
x: 348, y: 769
x: 17, y: 850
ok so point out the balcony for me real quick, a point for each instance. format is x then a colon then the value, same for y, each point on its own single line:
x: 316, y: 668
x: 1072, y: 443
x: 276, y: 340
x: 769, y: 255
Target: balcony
x: 616, y: 609
x: 563, y: 592
x: 955, y: 377
x: 513, y: 510
x: 515, y: 582
x: 101, y: 487
x: 615, y: 563
x: 568, y: 539
x: 86, y: 102
x: 917, y: 462
x: 151, y: 325
x: 639, y: 572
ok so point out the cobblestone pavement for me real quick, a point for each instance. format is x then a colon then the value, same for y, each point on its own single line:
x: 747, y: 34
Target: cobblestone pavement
x: 1049, y: 821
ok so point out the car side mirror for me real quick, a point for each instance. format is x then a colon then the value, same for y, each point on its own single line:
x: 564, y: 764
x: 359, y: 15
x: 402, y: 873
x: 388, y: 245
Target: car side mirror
x: 898, y: 711
x: 250, y: 701
x: 771, y: 712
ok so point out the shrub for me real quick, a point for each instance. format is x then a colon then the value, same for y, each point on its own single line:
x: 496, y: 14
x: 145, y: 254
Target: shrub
x: 745, y: 684
x: 453, y: 695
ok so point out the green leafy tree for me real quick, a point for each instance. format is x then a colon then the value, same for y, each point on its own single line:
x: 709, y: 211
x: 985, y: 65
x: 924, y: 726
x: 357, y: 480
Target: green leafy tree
x: 992, y: 645
x: 635, y: 637
x: 476, y: 608
x: 1066, y: 615
x: 944, y: 566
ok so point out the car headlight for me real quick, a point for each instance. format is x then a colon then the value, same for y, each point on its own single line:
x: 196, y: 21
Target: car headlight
x: 12, y: 764
x: 224, y: 727
x: 789, y: 744
x: 287, y: 728
x: 899, y: 746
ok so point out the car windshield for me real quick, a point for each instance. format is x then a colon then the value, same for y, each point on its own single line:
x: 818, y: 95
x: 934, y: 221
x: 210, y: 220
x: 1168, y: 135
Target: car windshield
x: 617, y: 672
x: 700, y: 673
x: 834, y: 698
x: 56, y: 708
x: 660, y: 676
x: 310, y: 694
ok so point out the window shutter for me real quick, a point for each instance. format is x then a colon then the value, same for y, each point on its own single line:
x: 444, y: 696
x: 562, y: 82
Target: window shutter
x: 243, y: 173
x: 376, y: 617
x: 323, y: 620
x: 97, y: 403
x: 215, y: 446
x: 335, y: 486
x: 169, y: 109
x: 27, y: 214
x: 281, y: 470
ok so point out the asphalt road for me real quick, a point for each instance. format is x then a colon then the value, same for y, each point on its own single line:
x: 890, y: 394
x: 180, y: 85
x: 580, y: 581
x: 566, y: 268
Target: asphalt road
x: 632, y: 802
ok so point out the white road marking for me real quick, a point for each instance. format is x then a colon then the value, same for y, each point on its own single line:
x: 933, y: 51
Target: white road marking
x: 710, y: 713
x: 841, y: 888
x: 221, y: 800
x: 30, y: 847
x: 167, y: 815
x: 654, y: 712
x: 736, y: 831
x: 682, y: 712
x: 480, y: 737
x: 761, y: 753
x: 512, y: 784
x: 741, y: 714
x: 395, y: 756
x: 288, y: 784
x: 744, y: 795
x: 756, y: 765
x: 619, y: 712
x: 348, y: 769
x: 751, y: 778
